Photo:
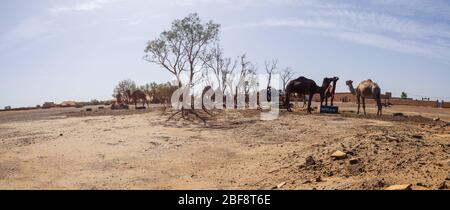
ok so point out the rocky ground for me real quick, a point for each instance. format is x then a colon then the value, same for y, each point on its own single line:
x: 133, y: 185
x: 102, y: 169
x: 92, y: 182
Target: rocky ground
x: 140, y: 149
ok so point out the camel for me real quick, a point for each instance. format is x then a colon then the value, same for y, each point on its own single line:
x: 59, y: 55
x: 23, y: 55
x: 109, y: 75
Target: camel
x: 303, y: 86
x: 331, y: 91
x: 366, y: 88
x: 138, y: 95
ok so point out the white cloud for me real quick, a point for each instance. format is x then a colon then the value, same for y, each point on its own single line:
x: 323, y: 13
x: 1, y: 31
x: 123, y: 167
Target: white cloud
x: 373, y: 28
x: 84, y: 6
x: 137, y: 19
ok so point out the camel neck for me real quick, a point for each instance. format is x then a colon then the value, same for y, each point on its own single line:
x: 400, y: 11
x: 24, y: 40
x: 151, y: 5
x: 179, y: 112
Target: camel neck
x: 352, y: 90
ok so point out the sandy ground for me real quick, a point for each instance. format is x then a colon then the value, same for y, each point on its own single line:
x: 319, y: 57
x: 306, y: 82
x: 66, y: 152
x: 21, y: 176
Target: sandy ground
x: 139, y: 149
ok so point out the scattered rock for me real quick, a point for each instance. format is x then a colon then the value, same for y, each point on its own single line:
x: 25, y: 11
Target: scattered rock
x: 444, y: 163
x: 60, y: 134
x: 309, y: 161
x: 448, y: 176
x: 437, y: 119
x: 319, y: 179
x: 354, y: 161
x: 89, y: 109
x: 398, y: 114
x: 339, y: 155
x: 417, y: 136
x: 400, y: 187
x: 306, y: 181
x: 443, y: 186
x: 392, y: 139
x: 279, y: 186
x: 421, y: 184
x: 101, y: 107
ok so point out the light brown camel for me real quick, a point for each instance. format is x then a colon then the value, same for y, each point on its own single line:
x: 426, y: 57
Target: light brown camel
x: 366, y: 88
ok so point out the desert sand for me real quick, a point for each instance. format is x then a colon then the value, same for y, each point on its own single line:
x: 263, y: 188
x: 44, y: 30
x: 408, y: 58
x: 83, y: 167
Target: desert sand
x: 69, y: 148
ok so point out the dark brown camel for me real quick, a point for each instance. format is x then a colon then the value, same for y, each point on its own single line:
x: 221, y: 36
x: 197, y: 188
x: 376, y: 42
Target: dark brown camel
x: 138, y: 95
x: 305, y: 86
x: 331, y: 91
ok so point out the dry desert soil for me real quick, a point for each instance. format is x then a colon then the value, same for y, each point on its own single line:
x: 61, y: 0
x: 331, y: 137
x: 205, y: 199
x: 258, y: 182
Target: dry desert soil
x: 69, y: 148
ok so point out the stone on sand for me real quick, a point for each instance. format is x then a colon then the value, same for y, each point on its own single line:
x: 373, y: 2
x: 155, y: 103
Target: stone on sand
x: 353, y: 161
x: 310, y: 161
x: 400, y: 187
x: 338, y: 155
x: 279, y: 186
x: 443, y: 186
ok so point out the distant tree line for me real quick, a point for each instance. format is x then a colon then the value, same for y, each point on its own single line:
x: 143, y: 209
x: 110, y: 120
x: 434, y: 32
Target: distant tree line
x: 156, y: 93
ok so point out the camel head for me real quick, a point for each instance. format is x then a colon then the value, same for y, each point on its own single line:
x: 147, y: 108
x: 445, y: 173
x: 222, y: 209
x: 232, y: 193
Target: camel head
x: 335, y: 79
x: 349, y: 83
x: 327, y: 81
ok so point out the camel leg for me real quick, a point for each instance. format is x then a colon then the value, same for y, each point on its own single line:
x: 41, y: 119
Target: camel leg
x: 332, y: 100
x: 364, y: 105
x: 359, y: 103
x: 304, y: 101
x: 321, y: 99
x: 309, y: 103
x: 288, y: 102
x: 380, y: 106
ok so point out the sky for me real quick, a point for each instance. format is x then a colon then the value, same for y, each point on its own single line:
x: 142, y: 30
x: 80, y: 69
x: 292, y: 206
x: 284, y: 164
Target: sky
x: 54, y: 50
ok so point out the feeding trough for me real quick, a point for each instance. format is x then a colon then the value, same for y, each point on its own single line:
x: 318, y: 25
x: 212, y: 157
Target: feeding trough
x: 329, y: 109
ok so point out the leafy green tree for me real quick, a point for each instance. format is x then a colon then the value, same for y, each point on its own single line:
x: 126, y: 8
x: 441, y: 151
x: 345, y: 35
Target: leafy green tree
x: 180, y: 49
x: 125, y: 88
x: 404, y: 95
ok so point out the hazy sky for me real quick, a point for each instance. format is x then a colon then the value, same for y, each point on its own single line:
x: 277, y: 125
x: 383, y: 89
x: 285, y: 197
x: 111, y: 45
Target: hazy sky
x: 54, y: 50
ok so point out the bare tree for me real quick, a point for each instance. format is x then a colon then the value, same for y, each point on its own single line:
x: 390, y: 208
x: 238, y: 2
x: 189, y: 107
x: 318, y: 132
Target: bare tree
x: 286, y: 75
x: 244, y: 80
x: 243, y: 74
x: 220, y: 66
x: 227, y: 71
x: 270, y: 67
x: 251, y: 78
